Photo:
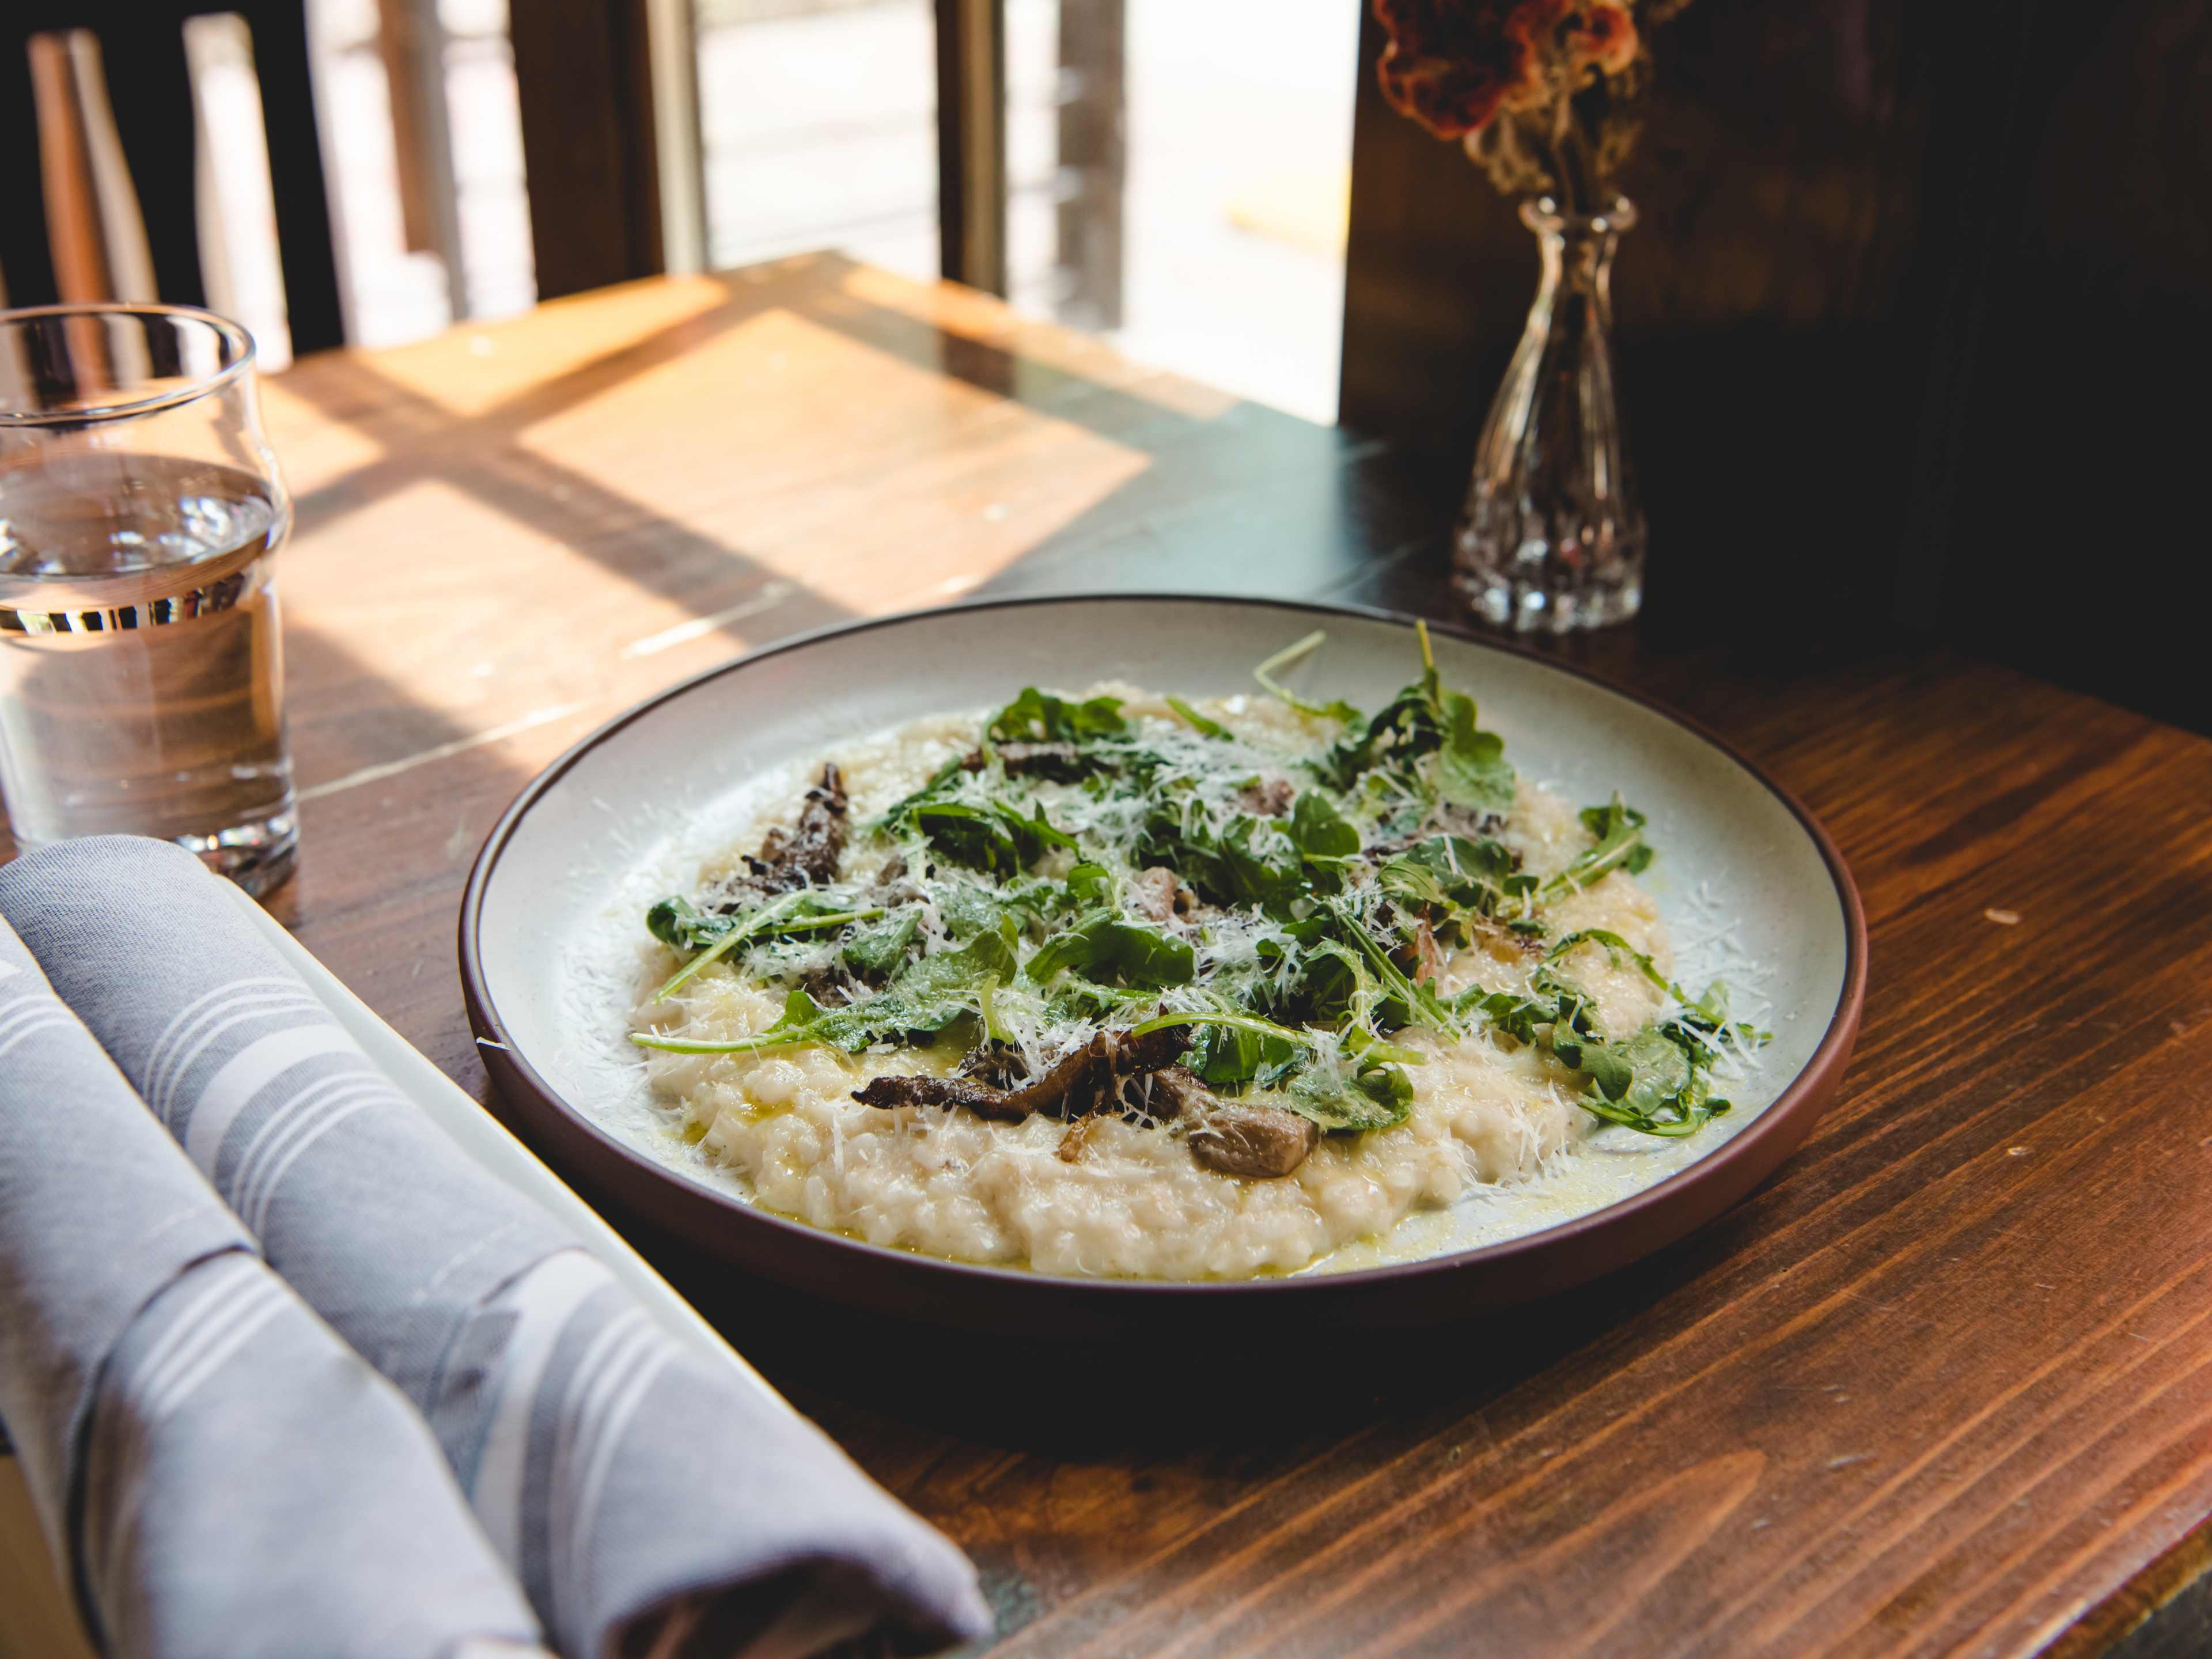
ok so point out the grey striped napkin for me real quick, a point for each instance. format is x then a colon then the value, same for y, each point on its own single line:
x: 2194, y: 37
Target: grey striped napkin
x: 220, y: 1475
x: 619, y: 1475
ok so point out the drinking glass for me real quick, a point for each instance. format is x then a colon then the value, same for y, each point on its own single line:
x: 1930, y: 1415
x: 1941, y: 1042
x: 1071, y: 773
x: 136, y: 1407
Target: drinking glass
x: 141, y: 685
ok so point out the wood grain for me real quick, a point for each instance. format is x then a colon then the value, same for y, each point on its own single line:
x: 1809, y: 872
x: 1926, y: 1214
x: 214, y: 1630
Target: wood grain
x: 1942, y: 1386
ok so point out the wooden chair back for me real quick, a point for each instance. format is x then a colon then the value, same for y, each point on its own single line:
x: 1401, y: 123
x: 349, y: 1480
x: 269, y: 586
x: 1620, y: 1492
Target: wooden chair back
x: 102, y: 201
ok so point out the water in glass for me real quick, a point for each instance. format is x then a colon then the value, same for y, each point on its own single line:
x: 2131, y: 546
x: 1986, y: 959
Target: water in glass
x: 141, y: 669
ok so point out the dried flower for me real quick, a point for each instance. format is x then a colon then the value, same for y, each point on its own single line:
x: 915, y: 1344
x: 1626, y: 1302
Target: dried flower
x: 1604, y: 37
x: 1453, y: 65
x: 1541, y: 92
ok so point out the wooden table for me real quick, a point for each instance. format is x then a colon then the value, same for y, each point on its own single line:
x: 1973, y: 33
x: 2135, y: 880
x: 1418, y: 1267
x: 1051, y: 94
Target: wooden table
x: 1943, y: 1386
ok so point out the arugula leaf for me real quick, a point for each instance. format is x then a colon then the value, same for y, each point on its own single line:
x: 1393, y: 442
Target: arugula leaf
x: 979, y: 833
x: 679, y: 923
x: 1232, y: 1050
x: 1472, y: 770
x: 1087, y: 1001
x: 1613, y: 818
x: 1376, y: 1097
x: 928, y: 996
x: 1702, y: 1029
x: 1334, y: 988
x: 1620, y: 846
x: 1319, y: 829
x: 1712, y: 1008
x: 1299, y: 1018
x: 1039, y: 717
x: 1091, y: 884
x: 1403, y: 731
x: 1422, y: 1005
x: 1525, y: 1019
x: 1232, y: 1056
x: 1198, y: 722
x: 1251, y: 860
x: 969, y: 908
x: 1257, y: 864
x: 1297, y: 651
x: 1657, y: 1083
x: 993, y: 836
x: 1113, y: 950
x: 1206, y: 1017
x: 876, y: 950
x: 682, y: 925
x: 1651, y: 1084
x: 1448, y: 877
x: 1616, y: 947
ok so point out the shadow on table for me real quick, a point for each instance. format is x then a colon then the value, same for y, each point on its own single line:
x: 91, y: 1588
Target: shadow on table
x: 1180, y: 1392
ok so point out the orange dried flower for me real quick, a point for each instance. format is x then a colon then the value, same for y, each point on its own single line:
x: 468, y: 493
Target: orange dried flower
x: 1579, y: 34
x: 1534, y: 23
x: 1453, y: 65
x: 1542, y: 93
x: 1604, y: 35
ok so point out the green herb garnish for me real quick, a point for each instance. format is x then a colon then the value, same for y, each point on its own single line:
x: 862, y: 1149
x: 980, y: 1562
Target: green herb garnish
x: 1081, y: 870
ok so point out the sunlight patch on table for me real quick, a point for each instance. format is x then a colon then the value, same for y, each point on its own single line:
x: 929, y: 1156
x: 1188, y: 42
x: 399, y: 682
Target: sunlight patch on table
x: 429, y: 673
x: 312, y: 449
x: 874, y: 481
x: 476, y: 367
x: 977, y: 316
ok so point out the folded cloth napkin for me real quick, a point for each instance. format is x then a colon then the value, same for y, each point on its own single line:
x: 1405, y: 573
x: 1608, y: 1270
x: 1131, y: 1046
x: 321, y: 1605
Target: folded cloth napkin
x: 621, y: 1476
x: 220, y: 1475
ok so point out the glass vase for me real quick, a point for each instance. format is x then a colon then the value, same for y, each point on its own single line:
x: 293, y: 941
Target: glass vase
x: 1551, y: 537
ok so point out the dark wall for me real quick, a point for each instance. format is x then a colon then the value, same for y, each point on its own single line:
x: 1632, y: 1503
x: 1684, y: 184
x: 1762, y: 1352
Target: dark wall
x: 2081, y: 548
x: 1866, y: 324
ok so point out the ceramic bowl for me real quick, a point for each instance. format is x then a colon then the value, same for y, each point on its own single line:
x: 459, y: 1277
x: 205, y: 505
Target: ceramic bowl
x: 554, y: 905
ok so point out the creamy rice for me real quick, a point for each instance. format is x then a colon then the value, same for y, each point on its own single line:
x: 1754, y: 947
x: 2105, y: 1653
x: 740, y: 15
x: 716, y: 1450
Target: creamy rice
x: 1486, y: 1113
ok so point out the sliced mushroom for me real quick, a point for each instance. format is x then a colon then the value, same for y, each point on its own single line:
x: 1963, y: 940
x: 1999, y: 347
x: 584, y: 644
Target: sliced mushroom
x: 893, y: 888
x: 999, y: 1064
x: 1263, y: 1143
x: 1176, y: 1091
x: 1428, y: 960
x: 1050, y: 1091
x: 1081, y: 1083
x: 1158, y: 895
x: 980, y: 1098
x: 1269, y: 795
x: 816, y: 845
x: 1062, y: 763
x: 1467, y: 822
x: 805, y: 855
x: 1499, y: 938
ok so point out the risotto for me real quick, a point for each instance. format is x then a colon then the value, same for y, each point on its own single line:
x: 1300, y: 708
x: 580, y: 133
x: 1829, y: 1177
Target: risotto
x: 1121, y: 984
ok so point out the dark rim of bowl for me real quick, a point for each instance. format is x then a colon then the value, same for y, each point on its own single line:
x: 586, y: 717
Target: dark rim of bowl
x: 1816, y: 1079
